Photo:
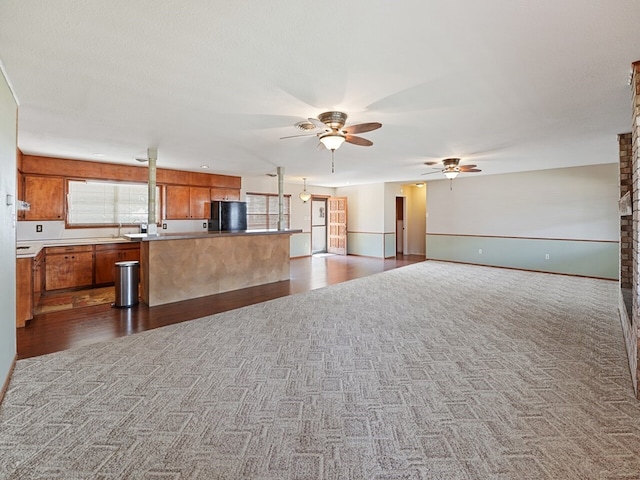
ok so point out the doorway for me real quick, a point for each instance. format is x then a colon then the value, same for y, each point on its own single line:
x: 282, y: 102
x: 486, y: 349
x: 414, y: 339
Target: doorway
x: 400, y: 240
x: 318, y: 225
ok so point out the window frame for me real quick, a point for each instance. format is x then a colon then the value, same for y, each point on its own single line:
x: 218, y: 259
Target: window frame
x: 68, y: 224
x: 267, y: 214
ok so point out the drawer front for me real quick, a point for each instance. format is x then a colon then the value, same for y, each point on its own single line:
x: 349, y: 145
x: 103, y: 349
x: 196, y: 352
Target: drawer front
x: 69, y: 249
x: 101, y: 247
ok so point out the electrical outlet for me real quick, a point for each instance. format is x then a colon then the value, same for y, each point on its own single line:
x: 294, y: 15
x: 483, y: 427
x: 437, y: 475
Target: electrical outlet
x: 38, y: 228
x: 480, y: 251
x: 164, y: 226
x: 546, y: 256
x: 204, y: 224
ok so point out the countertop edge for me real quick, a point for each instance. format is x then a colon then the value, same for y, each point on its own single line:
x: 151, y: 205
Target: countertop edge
x: 35, y: 247
x: 142, y: 237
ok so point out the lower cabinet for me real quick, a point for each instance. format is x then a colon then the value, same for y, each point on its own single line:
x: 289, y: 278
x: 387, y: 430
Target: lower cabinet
x: 24, y: 291
x: 69, y: 267
x: 56, y: 268
x: 108, y: 254
x: 38, y: 277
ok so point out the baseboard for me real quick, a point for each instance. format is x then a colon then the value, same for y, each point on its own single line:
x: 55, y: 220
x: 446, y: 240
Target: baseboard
x: 8, y: 379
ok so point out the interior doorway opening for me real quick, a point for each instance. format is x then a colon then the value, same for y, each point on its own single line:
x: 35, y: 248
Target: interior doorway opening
x: 400, y: 226
x: 318, y: 225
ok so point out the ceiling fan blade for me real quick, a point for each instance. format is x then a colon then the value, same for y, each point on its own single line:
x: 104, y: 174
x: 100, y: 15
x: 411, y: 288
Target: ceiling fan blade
x: 462, y: 167
x: 429, y: 173
x: 319, y: 124
x: 303, y: 135
x: 470, y: 170
x: 362, y: 127
x: 363, y: 142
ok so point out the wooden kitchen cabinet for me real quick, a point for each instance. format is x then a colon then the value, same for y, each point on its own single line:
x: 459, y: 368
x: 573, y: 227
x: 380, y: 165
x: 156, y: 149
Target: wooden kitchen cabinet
x: 46, y: 196
x: 38, y: 277
x: 199, y: 202
x: 182, y: 202
x: 106, y: 257
x: 29, y: 286
x: 24, y: 291
x: 68, y: 267
x: 225, y: 194
x: 176, y: 202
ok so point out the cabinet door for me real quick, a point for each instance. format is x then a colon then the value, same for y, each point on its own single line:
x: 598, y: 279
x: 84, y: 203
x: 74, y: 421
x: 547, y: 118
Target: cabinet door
x: 225, y: 193
x: 177, y: 202
x: 105, y: 265
x: 82, y: 269
x: 199, y: 202
x: 38, y: 277
x: 24, y: 294
x: 58, y: 272
x: 130, y: 254
x: 106, y: 258
x: 46, y: 196
x: 69, y: 270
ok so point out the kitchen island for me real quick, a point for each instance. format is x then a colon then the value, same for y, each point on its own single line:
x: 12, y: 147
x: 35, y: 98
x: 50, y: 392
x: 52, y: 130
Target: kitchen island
x: 176, y: 267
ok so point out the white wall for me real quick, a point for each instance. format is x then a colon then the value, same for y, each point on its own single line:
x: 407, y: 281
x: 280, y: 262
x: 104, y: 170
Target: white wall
x: 8, y: 175
x: 562, y: 220
x: 366, y: 207
x: 568, y: 203
x: 416, y: 218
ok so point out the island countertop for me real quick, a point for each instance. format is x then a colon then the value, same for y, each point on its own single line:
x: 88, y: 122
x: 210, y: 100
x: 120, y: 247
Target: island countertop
x: 143, y: 237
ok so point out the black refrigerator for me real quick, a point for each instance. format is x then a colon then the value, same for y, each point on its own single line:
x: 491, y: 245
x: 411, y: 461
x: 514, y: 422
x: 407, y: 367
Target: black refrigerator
x: 228, y: 216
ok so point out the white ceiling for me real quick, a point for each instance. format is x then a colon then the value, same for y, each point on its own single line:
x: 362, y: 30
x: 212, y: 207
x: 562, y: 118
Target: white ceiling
x: 507, y: 85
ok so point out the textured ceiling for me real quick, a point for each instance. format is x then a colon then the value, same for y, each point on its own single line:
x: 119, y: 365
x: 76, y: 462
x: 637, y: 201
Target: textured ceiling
x: 507, y: 85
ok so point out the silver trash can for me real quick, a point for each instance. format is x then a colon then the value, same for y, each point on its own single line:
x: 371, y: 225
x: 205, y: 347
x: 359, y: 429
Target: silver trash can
x: 127, y: 284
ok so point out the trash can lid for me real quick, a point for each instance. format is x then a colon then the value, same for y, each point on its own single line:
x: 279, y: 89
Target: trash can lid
x: 128, y: 263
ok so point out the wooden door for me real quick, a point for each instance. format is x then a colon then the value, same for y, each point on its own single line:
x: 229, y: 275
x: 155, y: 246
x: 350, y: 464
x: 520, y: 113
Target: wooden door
x: 337, y: 225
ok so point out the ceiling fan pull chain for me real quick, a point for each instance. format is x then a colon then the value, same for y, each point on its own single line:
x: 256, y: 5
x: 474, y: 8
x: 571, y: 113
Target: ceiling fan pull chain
x: 332, y: 152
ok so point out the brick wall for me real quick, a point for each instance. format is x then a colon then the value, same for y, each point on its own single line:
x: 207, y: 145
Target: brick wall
x: 626, y: 221
x: 631, y: 331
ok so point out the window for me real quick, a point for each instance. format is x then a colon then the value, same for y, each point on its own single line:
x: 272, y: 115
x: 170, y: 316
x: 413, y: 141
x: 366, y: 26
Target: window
x: 104, y: 203
x: 262, y: 211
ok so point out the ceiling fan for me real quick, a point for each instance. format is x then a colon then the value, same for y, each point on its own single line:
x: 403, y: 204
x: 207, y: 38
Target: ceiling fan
x: 330, y: 130
x: 452, y: 168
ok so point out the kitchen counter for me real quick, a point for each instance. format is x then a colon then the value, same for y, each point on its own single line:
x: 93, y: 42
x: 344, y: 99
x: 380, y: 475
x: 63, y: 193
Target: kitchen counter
x: 143, y: 237
x: 31, y: 248
x: 178, y: 267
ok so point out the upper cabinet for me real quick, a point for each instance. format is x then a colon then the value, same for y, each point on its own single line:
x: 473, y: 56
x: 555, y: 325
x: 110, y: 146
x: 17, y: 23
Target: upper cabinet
x: 46, y: 196
x: 187, y: 202
x: 199, y: 202
x: 188, y: 195
x: 225, y: 193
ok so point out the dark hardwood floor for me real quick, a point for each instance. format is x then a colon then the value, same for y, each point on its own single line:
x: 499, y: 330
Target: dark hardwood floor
x: 55, y: 331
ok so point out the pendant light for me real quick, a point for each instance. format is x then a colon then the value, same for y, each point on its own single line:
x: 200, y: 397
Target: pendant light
x: 304, y: 195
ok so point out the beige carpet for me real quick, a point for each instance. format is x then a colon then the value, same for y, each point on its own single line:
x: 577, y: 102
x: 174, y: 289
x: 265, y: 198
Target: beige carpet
x: 431, y: 371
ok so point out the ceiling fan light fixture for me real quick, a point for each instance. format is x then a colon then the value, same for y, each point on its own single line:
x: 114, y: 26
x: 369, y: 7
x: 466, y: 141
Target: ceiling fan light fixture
x: 451, y: 174
x: 304, y: 195
x: 332, y: 141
